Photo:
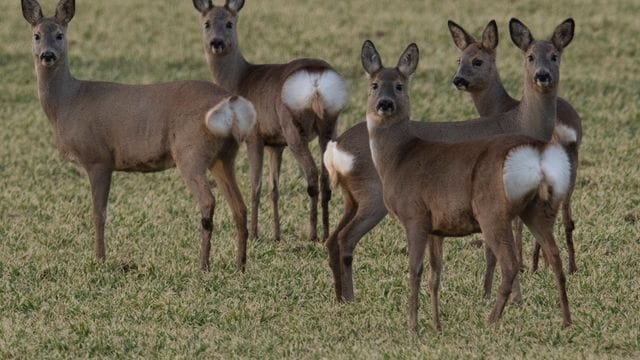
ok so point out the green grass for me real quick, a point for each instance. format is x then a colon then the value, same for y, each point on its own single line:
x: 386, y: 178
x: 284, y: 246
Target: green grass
x: 149, y: 299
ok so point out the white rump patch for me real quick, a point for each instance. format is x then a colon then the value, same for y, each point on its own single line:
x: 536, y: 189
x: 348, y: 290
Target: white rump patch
x: 556, y: 169
x: 564, y: 135
x: 302, y: 87
x: 337, y: 162
x: 234, y: 115
x: 522, y: 172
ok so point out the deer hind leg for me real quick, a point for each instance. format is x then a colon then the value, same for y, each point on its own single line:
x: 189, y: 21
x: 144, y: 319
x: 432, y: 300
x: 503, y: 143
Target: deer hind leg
x: 350, y: 208
x: 539, y: 218
x: 369, y: 214
x: 499, y: 238
x: 327, y: 133
x: 275, y: 164
x: 255, y: 153
x: 416, y: 239
x: 489, y: 271
x: 518, y: 232
x: 224, y: 174
x: 100, y: 181
x: 435, y: 262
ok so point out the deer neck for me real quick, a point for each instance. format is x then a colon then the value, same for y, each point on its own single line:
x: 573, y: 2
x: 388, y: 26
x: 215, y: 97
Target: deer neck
x: 228, y: 70
x: 385, y: 142
x: 538, y: 112
x: 56, y: 88
x: 493, y: 100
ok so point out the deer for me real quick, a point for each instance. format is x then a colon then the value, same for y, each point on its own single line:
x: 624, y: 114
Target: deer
x: 457, y: 189
x: 478, y: 75
x: 350, y: 165
x: 104, y: 127
x: 294, y: 102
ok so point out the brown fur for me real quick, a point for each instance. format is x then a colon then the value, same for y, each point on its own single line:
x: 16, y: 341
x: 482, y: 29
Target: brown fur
x: 105, y: 127
x: 443, y: 189
x: 277, y: 126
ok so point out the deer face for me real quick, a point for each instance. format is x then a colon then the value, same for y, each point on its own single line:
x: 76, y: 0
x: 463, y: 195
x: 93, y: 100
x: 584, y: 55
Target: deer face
x: 388, y: 87
x: 219, y: 25
x: 477, y: 62
x: 542, y: 57
x: 49, y: 40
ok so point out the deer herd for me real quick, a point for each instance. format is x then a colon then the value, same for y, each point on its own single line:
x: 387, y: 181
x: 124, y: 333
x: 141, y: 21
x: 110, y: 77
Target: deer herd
x: 513, y: 165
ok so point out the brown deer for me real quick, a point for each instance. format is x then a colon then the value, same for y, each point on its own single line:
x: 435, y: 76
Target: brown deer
x: 478, y: 75
x: 295, y: 102
x: 105, y: 127
x: 462, y: 188
x: 350, y: 166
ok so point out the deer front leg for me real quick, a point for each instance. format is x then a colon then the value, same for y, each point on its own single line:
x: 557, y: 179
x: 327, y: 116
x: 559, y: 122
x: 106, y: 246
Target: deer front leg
x: 417, y: 240
x: 255, y: 153
x: 435, y: 261
x: 100, y: 180
x: 275, y: 163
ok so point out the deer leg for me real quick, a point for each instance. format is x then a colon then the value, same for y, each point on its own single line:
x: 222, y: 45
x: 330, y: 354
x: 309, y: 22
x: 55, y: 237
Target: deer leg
x: 489, y: 271
x: 518, y: 230
x: 540, y: 218
x: 275, y: 163
x: 568, y: 232
x: 300, y: 150
x: 326, y: 134
x: 255, y: 153
x: 417, y: 240
x: 499, y: 238
x: 368, y: 215
x: 100, y: 181
x: 435, y: 261
x: 350, y: 208
x: 224, y: 174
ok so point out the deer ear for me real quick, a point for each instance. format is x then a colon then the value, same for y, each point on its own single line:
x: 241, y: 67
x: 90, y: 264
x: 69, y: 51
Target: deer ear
x: 202, y: 5
x: 234, y: 5
x: 31, y: 11
x: 65, y: 11
x: 371, y: 61
x: 520, y: 34
x: 490, y: 36
x: 408, y: 61
x: 460, y: 37
x: 563, y: 34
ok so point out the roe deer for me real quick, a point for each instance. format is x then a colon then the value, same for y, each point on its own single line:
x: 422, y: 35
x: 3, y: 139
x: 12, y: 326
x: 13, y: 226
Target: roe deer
x: 295, y: 102
x: 477, y: 74
x: 350, y: 166
x: 463, y: 188
x: 105, y: 127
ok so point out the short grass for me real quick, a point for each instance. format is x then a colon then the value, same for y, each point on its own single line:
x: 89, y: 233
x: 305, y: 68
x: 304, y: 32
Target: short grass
x: 149, y: 299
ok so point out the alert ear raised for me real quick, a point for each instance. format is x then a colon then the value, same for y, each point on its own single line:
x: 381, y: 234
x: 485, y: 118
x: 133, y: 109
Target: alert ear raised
x: 65, y: 11
x: 563, y: 34
x: 408, y: 62
x: 31, y: 11
x: 202, y: 5
x: 460, y: 36
x: 520, y: 34
x: 370, y: 58
x: 490, y: 36
x: 234, y: 5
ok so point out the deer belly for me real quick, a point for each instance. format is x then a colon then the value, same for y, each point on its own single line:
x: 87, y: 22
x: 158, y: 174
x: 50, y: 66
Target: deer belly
x: 455, y: 224
x: 151, y: 163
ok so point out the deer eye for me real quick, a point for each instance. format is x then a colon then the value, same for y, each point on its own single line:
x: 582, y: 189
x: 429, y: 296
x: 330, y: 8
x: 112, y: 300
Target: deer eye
x: 554, y: 57
x: 374, y: 86
x: 36, y: 37
x: 530, y: 58
x: 399, y: 87
x: 207, y: 25
x: 229, y: 25
x: 59, y: 36
x: 477, y: 62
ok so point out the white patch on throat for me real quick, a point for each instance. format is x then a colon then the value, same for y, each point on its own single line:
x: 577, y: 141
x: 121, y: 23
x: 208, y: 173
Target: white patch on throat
x: 371, y: 124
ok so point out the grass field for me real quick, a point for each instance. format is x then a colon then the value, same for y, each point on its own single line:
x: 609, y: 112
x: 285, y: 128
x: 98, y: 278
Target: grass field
x: 150, y: 300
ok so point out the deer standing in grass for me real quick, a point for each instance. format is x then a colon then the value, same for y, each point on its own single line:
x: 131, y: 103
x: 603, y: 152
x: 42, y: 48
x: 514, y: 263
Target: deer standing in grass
x: 105, y: 127
x: 295, y: 102
x: 478, y: 75
x: 461, y: 188
x: 350, y: 166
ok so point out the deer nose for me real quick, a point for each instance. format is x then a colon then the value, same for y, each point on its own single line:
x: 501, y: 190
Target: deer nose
x: 385, y: 105
x: 217, y: 44
x: 542, y: 77
x: 48, y: 56
x: 460, y: 82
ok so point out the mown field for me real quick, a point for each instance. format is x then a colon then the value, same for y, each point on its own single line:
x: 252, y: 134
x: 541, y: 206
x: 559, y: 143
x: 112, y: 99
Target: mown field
x: 150, y: 300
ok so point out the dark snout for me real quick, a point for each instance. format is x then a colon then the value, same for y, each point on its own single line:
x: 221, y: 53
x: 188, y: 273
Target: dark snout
x: 48, y: 58
x: 460, y: 83
x: 543, y: 78
x: 385, y: 106
x: 217, y: 45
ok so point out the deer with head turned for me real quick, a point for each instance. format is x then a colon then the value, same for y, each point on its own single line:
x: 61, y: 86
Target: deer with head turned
x: 350, y: 166
x: 457, y: 189
x: 478, y: 75
x: 295, y: 102
x: 105, y: 127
